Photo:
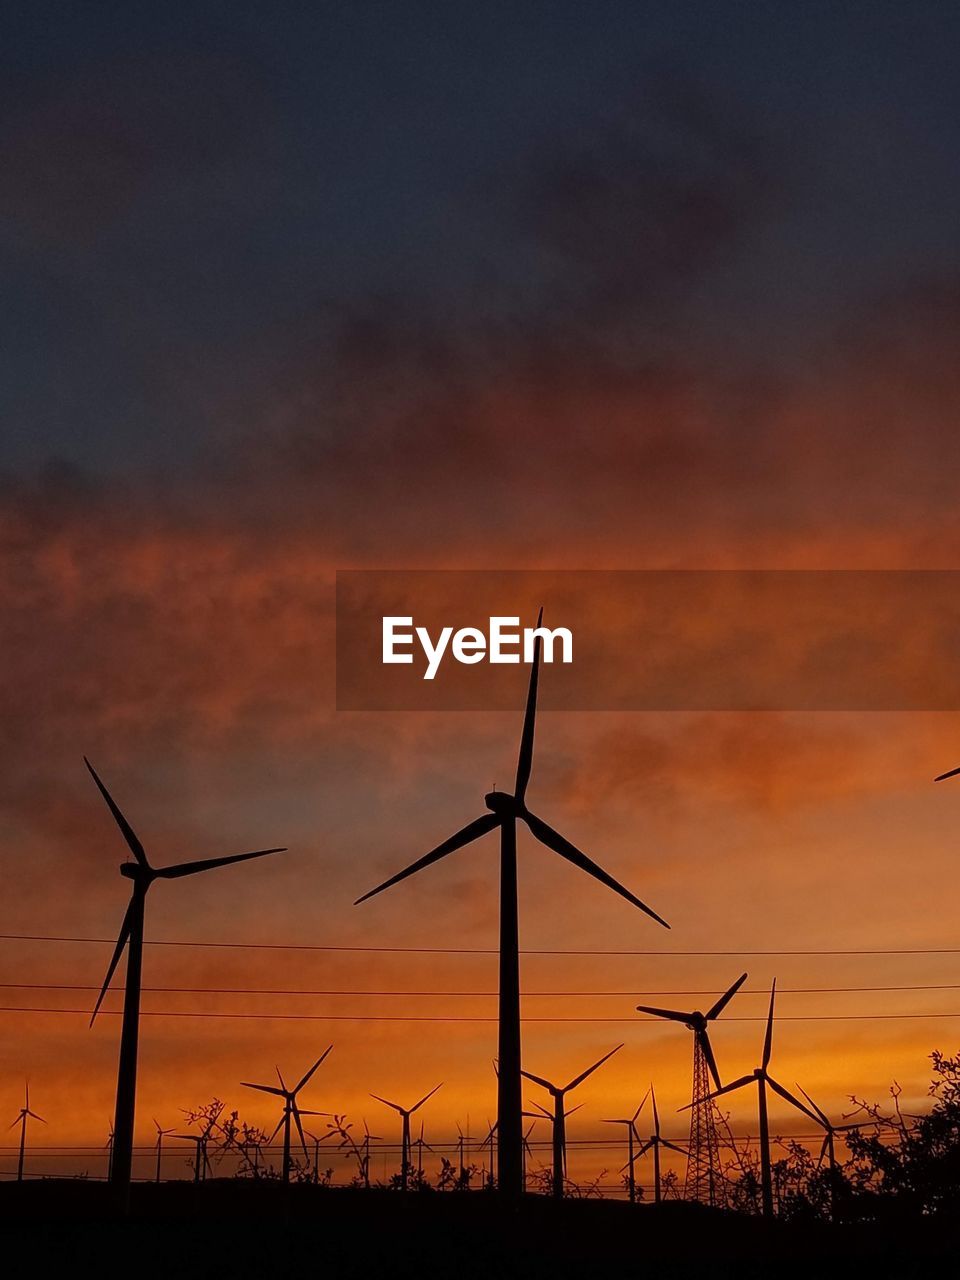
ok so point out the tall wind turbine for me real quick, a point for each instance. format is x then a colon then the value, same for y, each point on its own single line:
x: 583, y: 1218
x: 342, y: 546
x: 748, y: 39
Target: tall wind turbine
x: 406, y: 1113
x: 654, y: 1143
x: 505, y: 810
x: 632, y: 1136
x: 559, y: 1117
x: 762, y: 1078
x: 161, y: 1134
x: 291, y: 1112
x: 703, y: 1173
x: 21, y: 1120
x: 142, y: 875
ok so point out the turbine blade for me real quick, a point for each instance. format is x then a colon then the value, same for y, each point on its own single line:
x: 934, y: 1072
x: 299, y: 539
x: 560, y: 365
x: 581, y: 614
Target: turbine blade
x: 727, y: 1088
x: 114, y: 959
x: 472, y: 831
x: 707, y: 1049
x: 425, y: 1097
x: 525, y: 761
x: 824, y: 1120
x: 395, y: 1105
x: 208, y: 864
x: 590, y: 1070
x: 673, y: 1147
x: 656, y: 1114
x: 34, y: 1116
x: 951, y: 773
x: 788, y: 1097
x: 768, y: 1038
x: 544, y: 1084
x: 825, y: 1146
x: 643, y: 1103
x: 264, y: 1088
x: 726, y: 998
x: 299, y: 1124
x: 277, y: 1129
x: 673, y: 1014
x: 555, y: 841
x: 312, y: 1070
x: 136, y: 848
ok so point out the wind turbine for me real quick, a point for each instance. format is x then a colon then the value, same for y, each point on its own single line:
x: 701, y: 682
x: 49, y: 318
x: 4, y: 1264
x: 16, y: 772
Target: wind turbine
x: 21, y: 1120
x: 703, y: 1146
x: 201, y: 1163
x: 654, y: 1143
x: 291, y: 1112
x: 762, y: 1078
x: 316, y: 1140
x: 406, y: 1113
x: 368, y: 1137
x: 632, y: 1135
x: 559, y: 1116
x: 828, y: 1148
x: 420, y: 1144
x: 505, y: 810
x: 161, y: 1134
x: 142, y: 875
x: 491, y: 1132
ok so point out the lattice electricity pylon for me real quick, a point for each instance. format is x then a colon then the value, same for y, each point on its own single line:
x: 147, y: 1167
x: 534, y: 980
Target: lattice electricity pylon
x: 704, y: 1181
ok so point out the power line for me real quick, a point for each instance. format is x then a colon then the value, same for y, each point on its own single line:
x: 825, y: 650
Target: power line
x: 305, y: 991
x: 367, y: 1017
x: 492, y: 951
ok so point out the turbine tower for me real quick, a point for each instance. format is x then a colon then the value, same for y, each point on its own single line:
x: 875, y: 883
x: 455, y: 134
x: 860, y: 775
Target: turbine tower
x: 406, y: 1113
x: 291, y: 1112
x: 21, y: 1120
x: 703, y: 1181
x: 142, y: 876
x: 761, y: 1077
x: 560, y: 1115
x: 505, y: 810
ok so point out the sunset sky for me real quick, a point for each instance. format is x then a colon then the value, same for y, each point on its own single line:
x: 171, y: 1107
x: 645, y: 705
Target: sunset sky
x: 288, y: 289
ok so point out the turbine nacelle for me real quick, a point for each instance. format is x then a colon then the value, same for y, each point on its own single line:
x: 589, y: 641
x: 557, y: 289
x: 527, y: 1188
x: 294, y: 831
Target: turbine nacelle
x: 503, y: 804
x: 135, y: 871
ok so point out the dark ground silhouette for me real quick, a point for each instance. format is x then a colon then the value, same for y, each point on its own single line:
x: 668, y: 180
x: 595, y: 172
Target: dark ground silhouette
x: 241, y: 1229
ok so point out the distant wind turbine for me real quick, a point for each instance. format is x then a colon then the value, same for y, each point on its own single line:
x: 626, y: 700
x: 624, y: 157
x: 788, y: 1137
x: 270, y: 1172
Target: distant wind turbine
x: 142, y: 874
x: 762, y: 1078
x: 21, y: 1120
x: 505, y: 810
x: 559, y: 1116
x: 291, y: 1112
x: 654, y: 1143
x: 406, y: 1113
x: 703, y: 1171
x: 828, y: 1148
x: 632, y: 1137
x: 161, y: 1134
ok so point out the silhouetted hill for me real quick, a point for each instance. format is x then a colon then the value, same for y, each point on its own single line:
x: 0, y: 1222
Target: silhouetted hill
x: 245, y: 1229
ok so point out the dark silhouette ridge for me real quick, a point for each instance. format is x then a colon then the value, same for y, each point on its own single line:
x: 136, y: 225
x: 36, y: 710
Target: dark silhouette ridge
x: 559, y: 1117
x: 406, y: 1113
x: 142, y: 875
x: 291, y: 1112
x: 505, y: 810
